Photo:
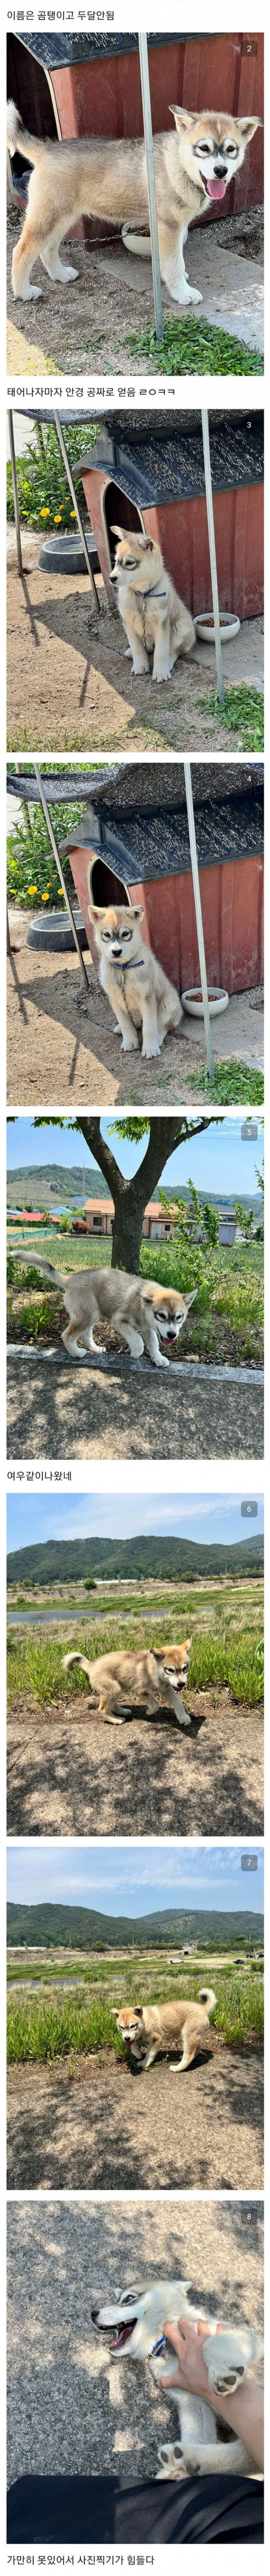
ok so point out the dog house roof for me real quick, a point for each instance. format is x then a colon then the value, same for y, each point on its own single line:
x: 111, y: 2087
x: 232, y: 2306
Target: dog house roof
x: 142, y: 827
x: 157, y: 845
x: 165, y: 462
x: 55, y: 51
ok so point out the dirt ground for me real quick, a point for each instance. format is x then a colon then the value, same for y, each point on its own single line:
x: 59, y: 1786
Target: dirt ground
x: 90, y: 324
x: 120, y: 1410
x: 69, y: 687
x: 91, y: 2123
x: 69, y: 1773
x: 61, y: 1045
x: 70, y: 2405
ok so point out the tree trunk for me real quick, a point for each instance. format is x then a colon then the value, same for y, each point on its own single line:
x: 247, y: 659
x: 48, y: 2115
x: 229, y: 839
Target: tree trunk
x: 131, y: 1197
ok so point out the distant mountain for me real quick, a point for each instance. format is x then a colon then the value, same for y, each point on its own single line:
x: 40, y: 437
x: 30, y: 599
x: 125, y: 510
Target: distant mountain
x: 68, y: 1560
x: 56, y: 1184
x: 79, y: 1927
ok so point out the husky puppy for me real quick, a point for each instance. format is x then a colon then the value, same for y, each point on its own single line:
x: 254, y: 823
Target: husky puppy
x: 135, y: 2319
x: 155, y: 619
x: 130, y: 974
x: 137, y: 1309
x: 153, y: 2027
x: 193, y: 168
x: 160, y: 1674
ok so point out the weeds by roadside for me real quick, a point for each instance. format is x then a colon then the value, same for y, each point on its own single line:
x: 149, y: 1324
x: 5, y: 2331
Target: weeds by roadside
x: 73, y: 2028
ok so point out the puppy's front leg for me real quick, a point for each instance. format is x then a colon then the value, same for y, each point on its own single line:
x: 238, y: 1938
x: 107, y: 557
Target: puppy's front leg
x: 171, y: 245
x: 162, y: 662
x: 139, y: 656
x: 151, y: 1041
x: 155, y: 1354
x: 179, y: 1709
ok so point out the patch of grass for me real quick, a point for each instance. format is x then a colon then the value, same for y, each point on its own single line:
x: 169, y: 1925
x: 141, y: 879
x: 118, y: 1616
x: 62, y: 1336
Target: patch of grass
x: 243, y: 714
x: 198, y: 348
x: 46, y: 2031
x: 227, y: 1321
x: 233, y: 1081
x: 225, y: 1654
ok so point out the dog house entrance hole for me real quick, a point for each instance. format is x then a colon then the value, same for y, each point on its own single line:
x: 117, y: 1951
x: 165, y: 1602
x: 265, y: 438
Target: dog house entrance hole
x: 104, y: 885
x: 121, y: 513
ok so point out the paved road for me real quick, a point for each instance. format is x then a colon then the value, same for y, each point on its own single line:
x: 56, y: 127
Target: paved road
x: 126, y: 1410
x: 95, y: 2125
x: 70, y: 2406
x: 69, y: 1773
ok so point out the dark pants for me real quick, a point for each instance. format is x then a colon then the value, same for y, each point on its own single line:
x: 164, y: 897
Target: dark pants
x: 110, y: 2509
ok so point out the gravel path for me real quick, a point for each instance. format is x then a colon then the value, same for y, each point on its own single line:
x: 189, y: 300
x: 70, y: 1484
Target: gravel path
x: 69, y: 683
x: 69, y: 2405
x: 61, y: 1046
x: 68, y: 1773
x: 93, y: 2124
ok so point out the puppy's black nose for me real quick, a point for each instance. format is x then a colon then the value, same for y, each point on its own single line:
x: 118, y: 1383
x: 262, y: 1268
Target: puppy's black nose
x: 94, y: 2315
x: 220, y: 169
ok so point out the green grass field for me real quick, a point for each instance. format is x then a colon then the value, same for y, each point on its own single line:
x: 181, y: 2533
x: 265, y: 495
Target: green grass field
x: 226, y: 1323
x: 51, y: 2029
x: 225, y: 1624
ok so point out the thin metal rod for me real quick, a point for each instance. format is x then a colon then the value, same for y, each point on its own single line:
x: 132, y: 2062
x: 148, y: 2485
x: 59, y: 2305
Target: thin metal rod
x: 198, y: 910
x: 51, y: 834
x: 59, y: 434
x: 151, y: 184
x: 15, y: 494
x: 212, y: 551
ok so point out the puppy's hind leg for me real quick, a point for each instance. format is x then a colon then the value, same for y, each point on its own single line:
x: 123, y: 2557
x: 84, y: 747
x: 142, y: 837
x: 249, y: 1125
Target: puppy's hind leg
x: 26, y: 251
x: 49, y: 254
x: 134, y: 1340
x: 189, y: 2051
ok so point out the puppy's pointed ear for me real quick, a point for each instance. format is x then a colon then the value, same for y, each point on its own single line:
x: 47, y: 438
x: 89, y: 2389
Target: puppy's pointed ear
x: 115, y: 2009
x: 138, y: 910
x: 247, y: 126
x: 118, y: 532
x: 96, y: 911
x: 182, y: 116
x: 138, y: 2011
x: 189, y: 1301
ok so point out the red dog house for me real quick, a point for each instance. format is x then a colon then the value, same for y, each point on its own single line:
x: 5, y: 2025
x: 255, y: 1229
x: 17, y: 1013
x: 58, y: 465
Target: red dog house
x: 142, y: 856
x: 150, y: 474
x: 84, y: 84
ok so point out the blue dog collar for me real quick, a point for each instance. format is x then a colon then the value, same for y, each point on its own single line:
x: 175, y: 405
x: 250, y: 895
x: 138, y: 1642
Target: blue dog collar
x: 128, y: 965
x: 159, y: 2347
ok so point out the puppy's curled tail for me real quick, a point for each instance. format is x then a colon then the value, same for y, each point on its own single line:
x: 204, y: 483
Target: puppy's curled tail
x: 77, y: 1659
x: 57, y: 1277
x: 207, y: 1997
x: 18, y: 139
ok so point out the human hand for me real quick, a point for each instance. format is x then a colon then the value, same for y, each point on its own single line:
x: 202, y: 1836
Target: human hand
x: 188, y: 2341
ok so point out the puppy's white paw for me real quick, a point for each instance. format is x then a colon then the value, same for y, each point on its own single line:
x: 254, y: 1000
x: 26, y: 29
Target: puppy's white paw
x: 129, y: 1044
x: 171, y: 2461
x: 225, y: 2368
x: 152, y: 1048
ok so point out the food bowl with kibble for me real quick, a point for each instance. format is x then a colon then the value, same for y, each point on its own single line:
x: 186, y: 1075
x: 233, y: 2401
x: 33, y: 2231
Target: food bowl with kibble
x: 192, y: 1001
x: 205, y: 627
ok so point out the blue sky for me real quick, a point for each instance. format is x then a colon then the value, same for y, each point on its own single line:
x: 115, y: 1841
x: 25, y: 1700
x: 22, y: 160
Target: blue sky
x: 197, y: 1516
x: 218, y: 1160
x: 133, y: 1879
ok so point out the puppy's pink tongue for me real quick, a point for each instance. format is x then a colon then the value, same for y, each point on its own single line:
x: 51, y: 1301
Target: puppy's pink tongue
x: 216, y: 187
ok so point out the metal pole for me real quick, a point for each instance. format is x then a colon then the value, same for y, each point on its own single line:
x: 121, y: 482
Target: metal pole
x: 15, y: 494
x: 198, y: 910
x: 212, y: 551
x: 50, y: 830
x: 59, y: 435
x: 151, y: 184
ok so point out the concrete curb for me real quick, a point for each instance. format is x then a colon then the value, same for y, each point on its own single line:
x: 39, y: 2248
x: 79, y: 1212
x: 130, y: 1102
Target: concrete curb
x: 145, y: 1368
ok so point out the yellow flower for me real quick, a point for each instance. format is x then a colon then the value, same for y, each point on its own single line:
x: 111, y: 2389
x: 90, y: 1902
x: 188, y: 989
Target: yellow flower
x: 73, y: 514
x: 44, y: 514
x: 32, y: 889
x: 59, y: 892
x: 45, y: 897
x: 58, y: 516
